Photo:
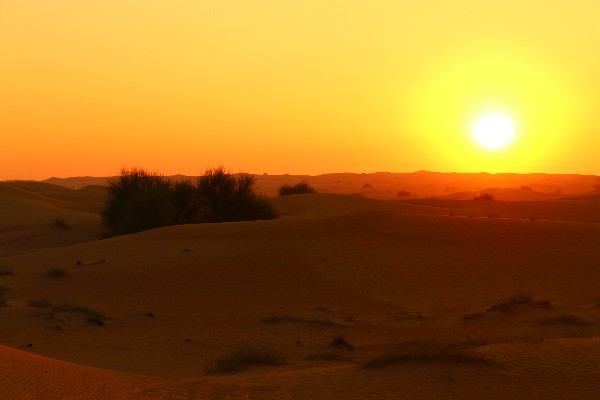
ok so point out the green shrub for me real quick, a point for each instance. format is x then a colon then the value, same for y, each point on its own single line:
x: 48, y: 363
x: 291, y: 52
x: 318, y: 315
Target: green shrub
x: 298, y: 188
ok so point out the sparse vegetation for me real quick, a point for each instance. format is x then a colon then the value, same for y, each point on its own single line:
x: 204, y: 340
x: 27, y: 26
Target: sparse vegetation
x: 232, y: 198
x: 518, y: 301
x: 565, y: 319
x: 3, y: 291
x: 277, y: 319
x: 403, y: 193
x: 428, y: 351
x: 139, y: 200
x: 298, y: 188
x: 91, y: 315
x: 341, y: 343
x: 61, y: 223
x: 74, y: 309
x: 56, y: 273
x: 241, y: 357
x: 39, y: 303
x: 472, y: 316
x: 484, y: 196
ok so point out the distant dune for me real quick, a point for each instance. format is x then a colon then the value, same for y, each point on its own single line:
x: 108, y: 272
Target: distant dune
x: 386, y: 185
x: 514, y: 285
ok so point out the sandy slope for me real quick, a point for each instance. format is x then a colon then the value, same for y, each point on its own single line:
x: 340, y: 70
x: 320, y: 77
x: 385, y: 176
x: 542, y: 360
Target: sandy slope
x: 35, y: 215
x: 179, y: 297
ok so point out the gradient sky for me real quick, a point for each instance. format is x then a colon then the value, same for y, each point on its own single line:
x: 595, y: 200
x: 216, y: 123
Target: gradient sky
x: 307, y: 86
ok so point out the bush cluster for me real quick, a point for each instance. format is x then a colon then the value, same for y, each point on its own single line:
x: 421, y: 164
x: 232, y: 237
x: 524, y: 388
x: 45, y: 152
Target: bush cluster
x: 298, y: 188
x: 139, y: 200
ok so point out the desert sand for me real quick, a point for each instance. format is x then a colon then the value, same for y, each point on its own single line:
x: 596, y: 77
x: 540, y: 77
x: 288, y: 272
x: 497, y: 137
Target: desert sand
x: 434, y: 294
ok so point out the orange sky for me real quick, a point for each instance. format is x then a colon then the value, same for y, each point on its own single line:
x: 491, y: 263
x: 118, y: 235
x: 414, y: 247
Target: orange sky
x: 307, y: 86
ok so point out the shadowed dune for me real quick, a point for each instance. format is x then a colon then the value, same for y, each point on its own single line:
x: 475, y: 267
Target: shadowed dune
x: 34, y: 215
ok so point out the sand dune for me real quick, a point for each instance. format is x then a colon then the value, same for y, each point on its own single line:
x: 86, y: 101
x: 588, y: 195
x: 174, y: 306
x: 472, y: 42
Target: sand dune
x: 35, y: 215
x: 376, y: 273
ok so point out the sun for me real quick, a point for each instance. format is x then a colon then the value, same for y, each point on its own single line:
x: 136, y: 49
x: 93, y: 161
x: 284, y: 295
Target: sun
x: 494, y: 131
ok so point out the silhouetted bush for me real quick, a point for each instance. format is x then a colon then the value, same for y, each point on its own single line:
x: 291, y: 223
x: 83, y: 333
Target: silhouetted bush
x: 231, y: 197
x: 403, y: 193
x: 484, y: 196
x: 298, y: 188
x: 137, y: 201
x: 187, y: 202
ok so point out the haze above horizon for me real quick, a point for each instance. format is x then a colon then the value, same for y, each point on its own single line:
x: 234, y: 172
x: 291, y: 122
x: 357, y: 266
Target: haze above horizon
x: 299, y: 87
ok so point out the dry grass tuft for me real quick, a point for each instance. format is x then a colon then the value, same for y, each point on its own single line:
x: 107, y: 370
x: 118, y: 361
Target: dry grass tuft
x: 241, y: 357
x: 56, y: 273
x: 6, y: 271
x: 566, y: 319
x: 278, y: 319
x: 428, y: 351
x: 518, y: 301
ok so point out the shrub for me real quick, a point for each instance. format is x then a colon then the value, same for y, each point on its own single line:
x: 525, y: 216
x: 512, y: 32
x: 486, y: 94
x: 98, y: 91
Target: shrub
x: 231, y: 197
x: 298, y: 188
x: 402, y: 193
x: 137, y: 201
x: 187, y: 202
x: 341, y: 343
x: 484, y: 196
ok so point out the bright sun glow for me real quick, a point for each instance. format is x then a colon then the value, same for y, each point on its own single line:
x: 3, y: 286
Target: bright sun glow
x: 494, y: 131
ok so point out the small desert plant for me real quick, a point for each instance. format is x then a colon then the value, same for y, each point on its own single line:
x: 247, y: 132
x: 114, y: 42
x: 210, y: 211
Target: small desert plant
x: 74, y: 309
x: 367, y: 186
x: 472, y: 316
x: 277, y: 319
x: 241, y: 357
x: 484, y: 196
x: 341, y: 343
x: 566, y: 319
x: 39, y: 303
x: 402, y: 193
x: 62, y: 223
x: 428, y: 351
x: 299, y: 188
x: 56, y: 273
x: 3, y: 291
x: 520, y: 300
